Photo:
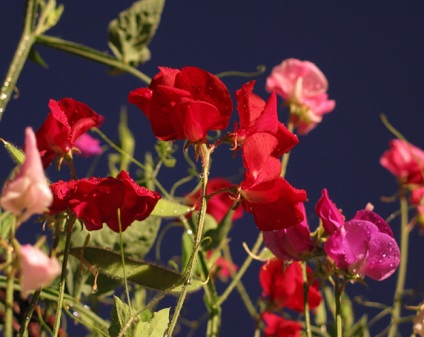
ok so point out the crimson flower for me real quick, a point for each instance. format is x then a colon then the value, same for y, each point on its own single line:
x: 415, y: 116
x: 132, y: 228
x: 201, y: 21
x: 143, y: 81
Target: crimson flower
x: 184, y: 104
x: 277, y: 326
x: 363, y: 246
x: 283, y: 285
x: 256, y: 116
x: 274, y: 203
x: 67, y: 121
x: 293, y: 243
x: 220, y: 203
x: 405, y: 161
x: 97, y: 200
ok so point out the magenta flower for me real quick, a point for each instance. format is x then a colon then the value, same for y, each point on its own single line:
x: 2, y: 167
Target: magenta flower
x: 36, y: 269
x: 88, y: 146
x: 330, y: 215
x: 363, y: 246
x: 304, y: 87
x: 293, y: 243
x: 28, y: 193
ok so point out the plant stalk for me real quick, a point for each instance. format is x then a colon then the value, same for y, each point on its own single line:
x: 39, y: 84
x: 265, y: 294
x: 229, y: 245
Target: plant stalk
x: 305, y: 299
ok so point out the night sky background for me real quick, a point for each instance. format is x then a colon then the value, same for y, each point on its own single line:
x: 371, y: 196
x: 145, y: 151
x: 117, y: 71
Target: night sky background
x: 370, y: 51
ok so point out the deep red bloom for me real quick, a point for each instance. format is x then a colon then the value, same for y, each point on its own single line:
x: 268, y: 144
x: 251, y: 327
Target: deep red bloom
x: 277, y: 326
x: 257, y: 116
x: 219, y: 204
x: 283, y: 285
x: 184, y: 104
x: 97, y: 200
x: 274, y: 203
x: 68, y: 119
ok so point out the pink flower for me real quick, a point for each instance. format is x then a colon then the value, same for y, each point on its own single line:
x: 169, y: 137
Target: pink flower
x: 405, y: 161
x: 28, y: 192
x: 277, y: 326
x: 330, y: 215
x: 293, y: 243
x: 304, y: 88
x: 36, y: 269
x: 222, y: 267
x: 88, y: 146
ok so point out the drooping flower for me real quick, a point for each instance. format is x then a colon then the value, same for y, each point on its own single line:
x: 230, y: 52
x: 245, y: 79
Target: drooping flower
x: 283, y: 285
x: 274, y: 203
x: 405, y: 161
x: 219, y: 205
x: 67, y: 121
x: 28, y: 192
x: 363, y: 246
x: 88, y: 146
x: 256, y: 116
x: 293, y: 243
x: 97, y: 200
x: 184, y: 104
x: 304, y: 88
x: 36, y: 269
x: 277, y: 326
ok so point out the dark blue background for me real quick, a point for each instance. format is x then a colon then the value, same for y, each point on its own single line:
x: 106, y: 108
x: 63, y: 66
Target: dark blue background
x: 370, y: 51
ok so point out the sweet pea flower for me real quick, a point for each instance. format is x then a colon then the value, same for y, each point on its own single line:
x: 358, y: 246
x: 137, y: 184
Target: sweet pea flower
x: 405, y: 161
x: 88, y: 146
x: 362, y: 246
x: 274, y: 203
x: 36, y: 269
x: 67, y: 121
x: 304, y: 88
x: 283, y: 285
x: 293, y: 243
x: 277, y: 326
x: 256, y: 116
x: 28, y: 192
x: 97, y: 200
x: 184, y: 104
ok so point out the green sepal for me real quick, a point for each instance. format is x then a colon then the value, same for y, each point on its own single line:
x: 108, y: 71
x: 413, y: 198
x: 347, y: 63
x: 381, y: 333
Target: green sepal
x: 140, y: 272
x: 17, y: 155
x: 49, y: 15
x: 35, y: 57
x: 131, y: 32
x: 169, y: 209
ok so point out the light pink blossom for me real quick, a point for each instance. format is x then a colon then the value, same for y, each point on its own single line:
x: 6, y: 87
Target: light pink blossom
x: 304, y: 88
x: 28, y: 193
x: 36, y: 269
x: 88, y: 146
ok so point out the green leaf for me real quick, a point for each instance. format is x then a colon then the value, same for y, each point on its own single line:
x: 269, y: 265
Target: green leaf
x: 139, y: 272
x: 165, y: 150
x: 159, y: 323
x: 35, y: 57
x: 169, y: 209
x: 5, y: 225
x: 17, y: 155
x: 120, y: 316
x: 132, y: 31
x: 220, y: 232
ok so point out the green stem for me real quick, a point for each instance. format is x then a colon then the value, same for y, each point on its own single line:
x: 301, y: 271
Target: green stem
x: 338, y: 291
x: 121, y: 246
x: 286, y: 156
x: 20, y: 57
x: 205, y: 155
x: 28, y: 313
x: 91, y: 54
x: 305, y: 299
x: 63, y: 278
x: 11, y: 269
x: 404, y: 242
x: 241, y: 271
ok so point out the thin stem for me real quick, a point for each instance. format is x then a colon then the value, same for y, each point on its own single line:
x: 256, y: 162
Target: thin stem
x: 260, y: 69
x: 20, y: 57
x: 11, y: 269
x: 205, y: 155
x: 338, y: 291
x: 28, y: 313
x: 91, y: 54
x: 62, y: 281
x: 286, y: 156
x: 121, y: 244
x: 305, y: 299
x: 404, y: 242
x: 241, y: 271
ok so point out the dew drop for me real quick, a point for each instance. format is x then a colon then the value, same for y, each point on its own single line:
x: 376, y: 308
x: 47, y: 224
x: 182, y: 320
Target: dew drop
x: 3, y: 96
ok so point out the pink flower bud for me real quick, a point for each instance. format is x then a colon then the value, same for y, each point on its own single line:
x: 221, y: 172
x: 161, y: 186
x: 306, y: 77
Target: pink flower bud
x: 28, y: 192
x: 36, y: 268
x: 88, y: 146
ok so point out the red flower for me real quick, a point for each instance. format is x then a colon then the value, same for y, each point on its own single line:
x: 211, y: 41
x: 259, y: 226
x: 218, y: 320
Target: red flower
x: 68, y: 119
x: 257, y: 116
x: 284, y: 285
x: 274, y: 203
x: 219, y: 204
x: 184, y: 104
x: 277, y: 326
x: 97, y: 200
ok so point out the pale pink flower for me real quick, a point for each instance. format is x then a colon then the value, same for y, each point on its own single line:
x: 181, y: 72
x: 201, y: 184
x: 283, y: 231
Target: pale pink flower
x: 28, y: 193
x: 36, y: 269
x: 304, y: 87
x: 88, y: 146
x: 418, y: 322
